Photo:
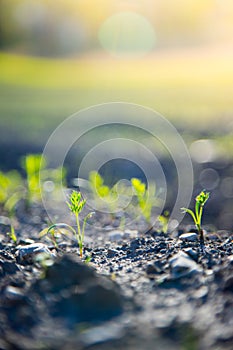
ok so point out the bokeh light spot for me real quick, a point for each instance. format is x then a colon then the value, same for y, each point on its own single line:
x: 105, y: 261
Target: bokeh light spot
x: 227, y: 187
x: 203, y: 151
x: 127, y: 34
x: 209, y: 179
x: 225, y: 220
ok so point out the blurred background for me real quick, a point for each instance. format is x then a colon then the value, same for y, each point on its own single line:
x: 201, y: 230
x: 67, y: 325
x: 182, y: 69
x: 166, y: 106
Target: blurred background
x: 57, y: 57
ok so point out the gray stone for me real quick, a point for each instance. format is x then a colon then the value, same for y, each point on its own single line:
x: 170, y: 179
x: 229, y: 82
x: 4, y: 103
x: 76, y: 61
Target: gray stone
x: 116, y: 235
x: 190, y: 236
x: 192, y: 253
x: 155, y: 268
x: 228, y: 284
x: 5, y: 226
x: 111, y: 253
x: 201, y: 293
x: 182, y: 265
x: 4, y: 220
x: 164, y: 318
x: 26, y: 241
x: 150, y: 269
x: 230, y: 259
x: 130, y: 234
x: 31, y: 250
x: 12, y: 293
x: 102, y: 334
x: 8, y: 267
x: 79, y: 294
x: 68, y: 271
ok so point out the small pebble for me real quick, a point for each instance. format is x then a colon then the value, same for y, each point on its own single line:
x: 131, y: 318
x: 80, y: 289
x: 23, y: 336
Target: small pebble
x: 130, y: 234
x: 150, y: 269
x: 201, y: 293
x: 111, y: 253
x: 26, y: 241
x: 192, y: 253
x: 4, y: 220
x: 115, y: 235
x: 182, y: 265
x: 228, y: 284
x: 135, y: 244
x: 190, y: 236
x: 230, y: 258
x: 13, y: 293
x: 102, y: 334
x: 31, y: 250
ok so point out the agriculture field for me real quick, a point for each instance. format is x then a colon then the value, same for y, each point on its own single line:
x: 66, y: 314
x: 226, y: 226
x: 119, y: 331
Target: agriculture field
x: 192, y: 88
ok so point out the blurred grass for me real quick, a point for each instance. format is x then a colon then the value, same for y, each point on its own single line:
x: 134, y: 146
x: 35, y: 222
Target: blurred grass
x: 191, y: 89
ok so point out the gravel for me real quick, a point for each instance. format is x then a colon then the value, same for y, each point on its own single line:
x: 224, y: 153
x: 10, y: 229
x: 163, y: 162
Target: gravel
x: 137, y: 291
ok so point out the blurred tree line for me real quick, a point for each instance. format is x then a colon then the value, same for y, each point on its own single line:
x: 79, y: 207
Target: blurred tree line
x: 40, y: 27
x: 56, y: 27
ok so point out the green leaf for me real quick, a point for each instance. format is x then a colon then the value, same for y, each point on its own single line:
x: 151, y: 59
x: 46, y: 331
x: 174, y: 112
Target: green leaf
x: 190, y: 212
x: 95, y: 179
x: 139, y: 186
x: 59, y: 228
x: 76, y: 203
x: 12, y: 234
x: 85, y: 221
x: 103, y: 191
x: 202, y: 197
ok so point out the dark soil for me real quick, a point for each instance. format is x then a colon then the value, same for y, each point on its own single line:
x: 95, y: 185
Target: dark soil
x: 138, y: 291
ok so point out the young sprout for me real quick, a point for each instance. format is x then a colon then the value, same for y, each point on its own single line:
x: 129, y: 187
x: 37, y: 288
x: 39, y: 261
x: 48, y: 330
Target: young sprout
x: 76, y: 204
x: 37, y: 174
x: 53, y: 234
x: 201, y: 199
x: 33, y: 164
x: 12, y: 234
x: 11, y: 190
x: 163, y: 220
x: 146, y: 200
x: 104, y: 195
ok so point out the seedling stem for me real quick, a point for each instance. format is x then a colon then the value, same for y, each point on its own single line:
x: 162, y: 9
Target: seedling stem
x: 201, y: 199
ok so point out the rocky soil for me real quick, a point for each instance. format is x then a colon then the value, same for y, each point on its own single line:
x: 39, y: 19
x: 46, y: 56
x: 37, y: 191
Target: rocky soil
x: 130, y: 291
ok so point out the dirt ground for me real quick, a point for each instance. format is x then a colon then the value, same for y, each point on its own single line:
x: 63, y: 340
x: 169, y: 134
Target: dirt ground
x: 131, y: 290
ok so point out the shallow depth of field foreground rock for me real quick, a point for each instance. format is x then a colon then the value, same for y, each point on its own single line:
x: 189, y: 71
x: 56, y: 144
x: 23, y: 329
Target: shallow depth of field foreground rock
x: 148, y: 292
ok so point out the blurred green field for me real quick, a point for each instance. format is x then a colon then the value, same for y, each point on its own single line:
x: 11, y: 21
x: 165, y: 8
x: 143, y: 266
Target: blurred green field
x: 192, y: 88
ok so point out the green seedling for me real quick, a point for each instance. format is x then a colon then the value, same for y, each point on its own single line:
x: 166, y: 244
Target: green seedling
x: 103, y: 194
x: 146, y: 200
x: 12, y: 234
x: 52, y: 233
x: 163, y: 220
x: 97, y: 185
x: 111, y: 199
x: 51, y: 180
x: 13, y: 187
x: 76, y: 204
x: 33, y: 164
x: 196, y: 215
x: 11, y: 190
x: 88, y: 259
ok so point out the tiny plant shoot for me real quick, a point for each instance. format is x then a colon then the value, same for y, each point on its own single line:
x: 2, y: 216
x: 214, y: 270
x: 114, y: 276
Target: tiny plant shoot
x: 103, y: 194
x: 201, y: 199
x: 76, y: 204
x: 12, y: 234
x: 33, y: 164
x: 36, y: 172
x: 11, y: 190
x: 146, y: 201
